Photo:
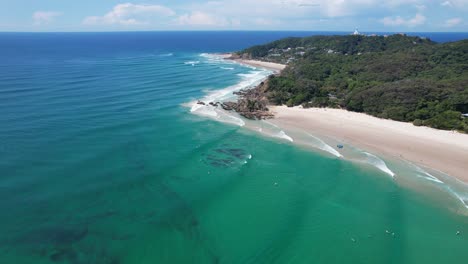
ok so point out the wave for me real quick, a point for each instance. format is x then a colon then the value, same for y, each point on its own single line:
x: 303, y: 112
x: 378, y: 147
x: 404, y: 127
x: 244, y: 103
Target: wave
x: 193, y: 63
x: 166, y: 55
x: 378, y: 163
x: 325, y: 147
x: 283, y: 135
x: 426, y: 175
x: 227, y: 68
x: 247, y: 80
x: 463, y: 198
x: 454, y: 186
x: 215, y: 58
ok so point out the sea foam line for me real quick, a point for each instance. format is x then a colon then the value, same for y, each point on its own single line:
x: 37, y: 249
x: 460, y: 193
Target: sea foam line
x: 283, y: 135
x: 461, y: 196
x: 426, y: 175
x: 325, y: 147
x: 247, y: 80
x: 193, y: 63
x: 378, y: 163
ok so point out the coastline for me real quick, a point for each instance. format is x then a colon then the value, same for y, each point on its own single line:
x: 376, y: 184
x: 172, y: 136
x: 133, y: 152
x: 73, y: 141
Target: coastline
x: 445, y: 151
x: 275, y: 67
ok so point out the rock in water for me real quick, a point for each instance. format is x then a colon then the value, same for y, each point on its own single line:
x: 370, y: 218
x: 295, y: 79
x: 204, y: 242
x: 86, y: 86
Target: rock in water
x: 252, y: 103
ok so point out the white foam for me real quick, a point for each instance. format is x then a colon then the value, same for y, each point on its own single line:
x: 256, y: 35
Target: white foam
x: 225, y: 117
x: 325, y: 147
x: 426, y: 175
x: 248, y: 80
x: 227, y: 68
x: 215, y: 58
x: 463, y: 199
x: 204, y: 110
x: 193, y: 63
x: 455, y: 187
x: 166, y: 55
x: 283, y: 135
x: 378, y: 163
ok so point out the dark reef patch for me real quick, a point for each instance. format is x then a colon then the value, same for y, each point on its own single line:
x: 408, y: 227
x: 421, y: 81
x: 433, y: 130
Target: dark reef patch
x: 225, y: 157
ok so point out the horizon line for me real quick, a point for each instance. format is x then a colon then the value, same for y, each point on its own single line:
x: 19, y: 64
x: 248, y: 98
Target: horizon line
x: 228, y: 30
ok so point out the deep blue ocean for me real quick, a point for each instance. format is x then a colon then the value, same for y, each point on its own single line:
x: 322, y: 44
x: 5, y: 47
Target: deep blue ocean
x: 104, y: 159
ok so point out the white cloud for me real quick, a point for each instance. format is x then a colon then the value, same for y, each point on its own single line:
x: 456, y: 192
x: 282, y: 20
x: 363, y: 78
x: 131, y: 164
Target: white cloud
x: 446, y: 3
x: 397, y: 3
x: 277, y: 14
x: 421, y: 8
x: 198, y: 18
x: 461, y: 4
x: 130, y: 14
x: 277, y: 9
x: 417, y: 20
x: 453, y: 22
x: 45, y: 17
x: 333, y: 8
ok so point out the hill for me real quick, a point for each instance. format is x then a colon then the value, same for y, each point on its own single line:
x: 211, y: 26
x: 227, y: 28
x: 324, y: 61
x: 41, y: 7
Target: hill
x: 398, y: 77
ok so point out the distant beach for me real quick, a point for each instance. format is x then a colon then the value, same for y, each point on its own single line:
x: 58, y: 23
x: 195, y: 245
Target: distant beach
x: 276, y: 67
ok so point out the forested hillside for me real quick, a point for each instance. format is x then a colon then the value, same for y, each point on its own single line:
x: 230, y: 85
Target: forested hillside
x: 398, y: 77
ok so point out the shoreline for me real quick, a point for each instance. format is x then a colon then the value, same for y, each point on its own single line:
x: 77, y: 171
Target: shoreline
x: 442, y: 150
x: 275, y: 67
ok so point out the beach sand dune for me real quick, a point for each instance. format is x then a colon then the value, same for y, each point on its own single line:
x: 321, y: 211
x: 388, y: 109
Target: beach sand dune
x: 446, y: 151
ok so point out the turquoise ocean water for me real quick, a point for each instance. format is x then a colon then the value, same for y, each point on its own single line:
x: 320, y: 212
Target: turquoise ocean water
x: 106, y: 158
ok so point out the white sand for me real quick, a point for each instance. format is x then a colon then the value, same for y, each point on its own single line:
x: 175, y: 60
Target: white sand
x: 445, y: 151
x: 262, y: 64
x: 276, y: 67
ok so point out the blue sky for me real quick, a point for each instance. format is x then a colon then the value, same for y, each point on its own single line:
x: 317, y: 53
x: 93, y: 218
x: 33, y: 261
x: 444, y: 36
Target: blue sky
x: 313, y: 15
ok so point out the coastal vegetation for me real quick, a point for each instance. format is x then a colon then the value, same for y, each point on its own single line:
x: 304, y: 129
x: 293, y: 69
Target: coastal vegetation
x: 398, y: 77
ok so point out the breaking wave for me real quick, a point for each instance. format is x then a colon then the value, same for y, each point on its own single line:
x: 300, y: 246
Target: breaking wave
x: 202, y: 106
x: 193, y: 63
x: 283, y: 135
x: 325, y: 147
x: 378, y: 163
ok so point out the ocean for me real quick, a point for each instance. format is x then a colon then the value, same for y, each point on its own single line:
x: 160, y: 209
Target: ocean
x: 107, y: 158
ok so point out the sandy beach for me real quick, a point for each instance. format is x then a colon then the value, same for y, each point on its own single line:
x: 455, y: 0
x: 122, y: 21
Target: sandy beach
x: 446, y: 151
x: 276, y: 67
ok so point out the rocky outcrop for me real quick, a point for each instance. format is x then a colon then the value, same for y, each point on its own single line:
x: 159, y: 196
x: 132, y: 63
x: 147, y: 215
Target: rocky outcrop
x: 251, y: 104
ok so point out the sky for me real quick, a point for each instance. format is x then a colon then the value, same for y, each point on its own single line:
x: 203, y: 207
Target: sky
x: 301, y: 15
